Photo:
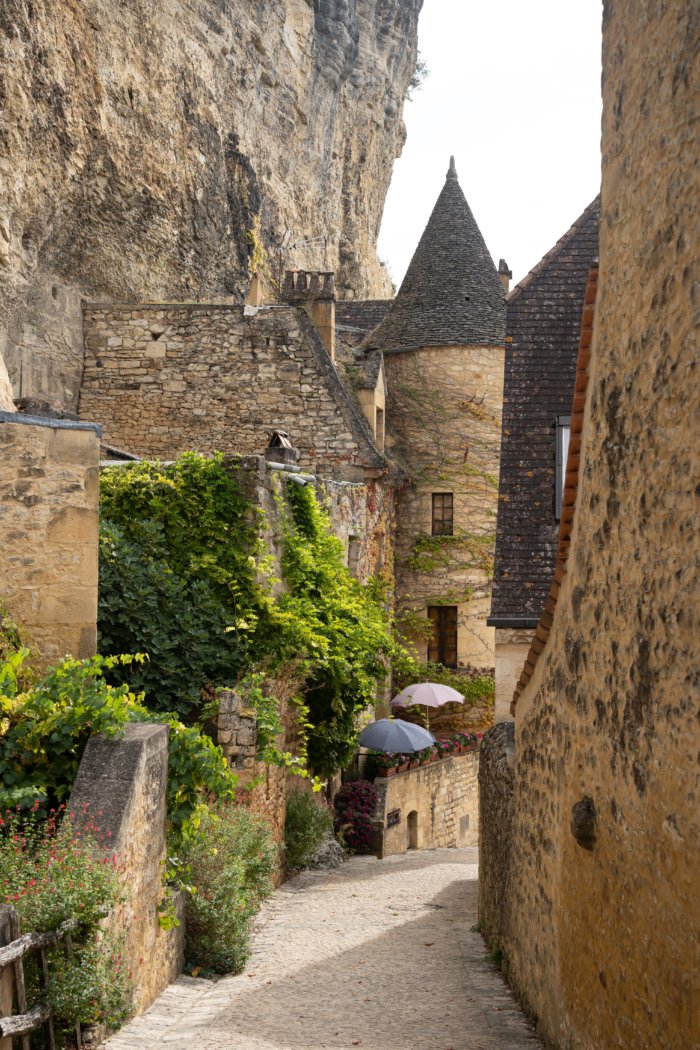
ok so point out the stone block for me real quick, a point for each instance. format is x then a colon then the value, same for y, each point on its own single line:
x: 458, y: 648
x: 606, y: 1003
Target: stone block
x: 76, y: 526
x: 68, y: 604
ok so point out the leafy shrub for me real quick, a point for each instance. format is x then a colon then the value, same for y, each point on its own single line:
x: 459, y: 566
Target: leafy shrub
x: 306, y: 825
x: 181, y: 623
x: 175, y: 572
x: 231, y: 857
x: 355, y: 806
x: 44, y: 731
x: 51, y: 874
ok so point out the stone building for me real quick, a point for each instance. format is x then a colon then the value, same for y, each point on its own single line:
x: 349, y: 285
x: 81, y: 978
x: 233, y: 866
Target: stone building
x: 415, y: 408
x: 589, y: 816
x: 443, y: 347
x: 543, y: 321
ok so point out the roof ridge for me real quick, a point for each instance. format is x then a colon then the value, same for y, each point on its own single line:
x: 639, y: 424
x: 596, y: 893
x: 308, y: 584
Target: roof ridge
x: 552, y: 253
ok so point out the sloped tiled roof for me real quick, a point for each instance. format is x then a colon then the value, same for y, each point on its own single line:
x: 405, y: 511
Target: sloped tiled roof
x: 361, y: 315
x: 573, y: 464
x: 542, y: 337
x: 451, y: 294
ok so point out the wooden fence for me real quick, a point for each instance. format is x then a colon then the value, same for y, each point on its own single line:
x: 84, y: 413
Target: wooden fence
x: 26, y: 1021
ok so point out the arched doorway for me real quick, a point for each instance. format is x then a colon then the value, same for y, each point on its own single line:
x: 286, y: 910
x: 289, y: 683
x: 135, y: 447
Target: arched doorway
x: 412, y: 824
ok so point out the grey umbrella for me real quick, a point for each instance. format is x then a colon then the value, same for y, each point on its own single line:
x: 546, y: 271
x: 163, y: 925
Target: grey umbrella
x: 393, y: 734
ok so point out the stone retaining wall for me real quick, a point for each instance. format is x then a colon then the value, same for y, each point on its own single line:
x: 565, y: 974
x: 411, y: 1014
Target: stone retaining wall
x: 444, y: 797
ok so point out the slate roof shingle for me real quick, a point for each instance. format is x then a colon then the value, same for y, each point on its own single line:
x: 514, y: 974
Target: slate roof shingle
x: 543, y: 325
x: 361, y: 315
x: 573, y: 467
x: 451, y: 294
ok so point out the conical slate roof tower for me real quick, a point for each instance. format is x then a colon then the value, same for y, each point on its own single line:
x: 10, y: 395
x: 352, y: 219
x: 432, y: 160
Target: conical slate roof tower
x: 451, y: 294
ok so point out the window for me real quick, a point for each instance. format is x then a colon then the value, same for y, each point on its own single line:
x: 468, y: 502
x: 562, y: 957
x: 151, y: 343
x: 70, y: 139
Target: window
x: 563, y: 431
x: 442, y: 649
x: 442, y: 514
x: 379, y: 435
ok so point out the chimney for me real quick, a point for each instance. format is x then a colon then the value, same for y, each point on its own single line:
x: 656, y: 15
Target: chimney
x: 315, y: 291
x: 280, y: 449
x: 505, y: 274
x: 256, y: 290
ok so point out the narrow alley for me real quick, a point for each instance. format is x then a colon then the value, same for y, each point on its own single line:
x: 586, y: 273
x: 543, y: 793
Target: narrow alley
x: 378, y: 955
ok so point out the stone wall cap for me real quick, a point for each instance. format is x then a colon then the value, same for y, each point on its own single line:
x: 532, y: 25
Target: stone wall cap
x: 48, y: 421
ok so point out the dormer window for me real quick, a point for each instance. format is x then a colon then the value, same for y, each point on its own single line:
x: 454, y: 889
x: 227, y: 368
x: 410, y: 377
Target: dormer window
x: 443, y: 521
x: 563, y: 432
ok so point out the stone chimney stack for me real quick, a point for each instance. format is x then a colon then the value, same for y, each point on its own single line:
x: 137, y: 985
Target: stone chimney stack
x: 315, y: 291
x: 505, y: 274
x: 256, y: 290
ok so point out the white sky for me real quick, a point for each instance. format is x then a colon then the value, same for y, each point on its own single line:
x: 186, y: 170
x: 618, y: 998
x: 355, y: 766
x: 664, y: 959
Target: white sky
x: 514, y: 94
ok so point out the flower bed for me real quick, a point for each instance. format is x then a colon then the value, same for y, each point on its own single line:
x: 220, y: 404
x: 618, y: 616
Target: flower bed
x: 445, y: 747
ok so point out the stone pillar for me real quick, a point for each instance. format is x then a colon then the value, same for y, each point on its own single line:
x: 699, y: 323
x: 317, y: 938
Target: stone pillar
x: 122, y: 785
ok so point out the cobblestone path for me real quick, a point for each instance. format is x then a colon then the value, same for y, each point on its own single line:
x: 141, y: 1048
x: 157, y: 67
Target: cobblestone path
x: 377, y: 955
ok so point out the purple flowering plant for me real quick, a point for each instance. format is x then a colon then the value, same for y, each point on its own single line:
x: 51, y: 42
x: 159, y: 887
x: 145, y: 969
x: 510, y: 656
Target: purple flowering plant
x: 355, y: 805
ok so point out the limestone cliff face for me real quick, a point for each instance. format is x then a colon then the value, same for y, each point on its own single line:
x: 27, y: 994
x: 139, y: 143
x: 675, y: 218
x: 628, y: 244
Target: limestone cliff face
x: 142, y: 142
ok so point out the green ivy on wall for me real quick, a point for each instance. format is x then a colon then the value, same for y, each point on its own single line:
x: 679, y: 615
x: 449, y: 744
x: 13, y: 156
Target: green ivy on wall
x: 185, y: 578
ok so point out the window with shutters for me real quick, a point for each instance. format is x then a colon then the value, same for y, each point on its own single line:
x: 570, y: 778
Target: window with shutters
x: 442, y: 649
x: 443, y: 522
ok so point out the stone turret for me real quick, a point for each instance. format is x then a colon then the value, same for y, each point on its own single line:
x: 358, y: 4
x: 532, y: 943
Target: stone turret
x: 443, y: 345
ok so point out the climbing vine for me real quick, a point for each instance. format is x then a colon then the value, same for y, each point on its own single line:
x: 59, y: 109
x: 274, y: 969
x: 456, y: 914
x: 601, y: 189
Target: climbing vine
x: 186, y: 578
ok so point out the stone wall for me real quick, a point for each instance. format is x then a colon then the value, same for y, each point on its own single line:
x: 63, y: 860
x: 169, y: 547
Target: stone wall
x: 49, y: 522
x: 122, y: 786
x: 602, y: 924
x: 444, y: 407
x: 444, y: 795
x: 496, y: 821
x: 512, y: 647
x: 164, y: 379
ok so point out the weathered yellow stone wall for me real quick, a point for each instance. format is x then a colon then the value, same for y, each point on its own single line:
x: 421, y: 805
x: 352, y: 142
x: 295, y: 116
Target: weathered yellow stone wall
x: 512, y: 647
x: 602, y: 944
x: 445, y: 797
x: 444, y: 407
x: 49, y: 523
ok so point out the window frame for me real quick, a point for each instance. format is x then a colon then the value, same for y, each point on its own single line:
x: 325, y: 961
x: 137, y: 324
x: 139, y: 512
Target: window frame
x: 449, y: 530
x: 442, y: 645
x: 563, y: 438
